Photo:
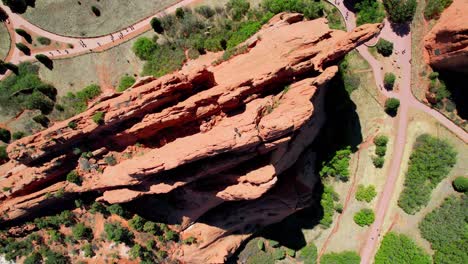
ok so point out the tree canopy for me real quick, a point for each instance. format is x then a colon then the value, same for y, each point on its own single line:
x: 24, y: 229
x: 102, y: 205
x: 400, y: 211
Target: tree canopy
x: 398, y: 248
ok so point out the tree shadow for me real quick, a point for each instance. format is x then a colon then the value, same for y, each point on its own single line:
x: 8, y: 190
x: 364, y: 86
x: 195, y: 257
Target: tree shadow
x: 46, y: 61
x: 456, y: 82
x: 3, y: 15
x: 401, y: 29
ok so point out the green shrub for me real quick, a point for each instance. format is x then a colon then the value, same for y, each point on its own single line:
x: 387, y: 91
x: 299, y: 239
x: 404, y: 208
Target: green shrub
x: 339, y: 208
x: 338, y: 166
x: 368, y: 12
x: 245, y: 31
x: 88, y: 250
x: 450, y: 106
x: 97, y: 207
x: 400, y: 11
x: 345, y: 257
x: 117, y: 209
x: 125, y: 83
x: 65, y: 218
x: 151, y: 228
x: 44, y: 41
x: 384, y: 47
x: 365, y: 193
x: 150, y: 244
x: 237, y: 8
x: 391, y: 106
x: 327, y: 203
x: 18, y: 135
x: 389, y: 80
x: 144, y: 48
x: 163, y: 60
x: 157, y: 25
x: 5, y: 135
x: 446, y: 224
x: 110, y: 160
x: 434, y: 8
x: 309, y: 254
x: 34, y: 258
x: 279, y: 254
x: 290, y: 252
x: 137, y: 223
x: 74, y: 177
x: 400, y: 249
x: 89, y: 92
x: 55, y: 258
x: 434, y: 76
x: 452, y: 253
x: 273, y: 243
x: 380, y: 151
x: 260, y: 244
x: 55, y: 236
x: 430, y: 162
x: 460, y: 184
x: 3, y: 153
x: 98, y: 118
x: 135, y: 252
x: 80, y: 231
x: 378, y: 161
x: 381, y: 140
x: 72, y: 125
x: 205, y: 11
x: 364, y: 217
x: 310, y: 8
x: 115, y: 232
x: 171, y: 236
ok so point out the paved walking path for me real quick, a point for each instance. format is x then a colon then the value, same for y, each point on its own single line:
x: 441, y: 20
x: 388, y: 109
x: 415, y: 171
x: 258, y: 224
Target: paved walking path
x: 80, y: 45
x: 402, y: 45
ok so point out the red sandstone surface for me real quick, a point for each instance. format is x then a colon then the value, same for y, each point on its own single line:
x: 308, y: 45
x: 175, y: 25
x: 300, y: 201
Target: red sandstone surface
x: 447, y: 43
x: 225, y: 139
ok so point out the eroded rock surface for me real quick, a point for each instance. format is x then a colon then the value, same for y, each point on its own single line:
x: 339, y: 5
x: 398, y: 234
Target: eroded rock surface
x: 224, y: 138
x: 447, y: 42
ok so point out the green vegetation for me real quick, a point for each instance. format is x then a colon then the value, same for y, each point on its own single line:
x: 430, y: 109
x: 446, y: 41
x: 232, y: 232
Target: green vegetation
x: 338, y: 166
x: 350, y: 80
x: 78, y: 103
x: 345, y: 257
x: 369, y: 11
x: 400, y: 11
x: 72, y: 125
x: 309, y: 254
x: 156, y: 25
x: 98, y: 118
x: 441, y: 92
x: 26, y: 91
x: 151, y: 228
x: 80, y: 231
x: 380, y: 150
x: 18, y: 135
x: 279, y: 254
x: 74, y: 177
x: 44, y: 41
x: 434, y: 8
x: 65, y: 218
x: 384, y: 47
x: 117, y: 209
x: 5, y: 135
x: 430, y: 162
x: 273, y: 243
x: 237, y: 8
x: 97, y: 207
x: 34, y: 258
x: 446, y: 229
x: 88, y: 250
x: 364, y: 217
x: 42, y: 120
x: 310, y: 8
x: 329, y: 197
x: 400, y: 249
x: 389, y: 80
x: 381, y: 140
x: 115, y: 232
x: 137, y: 223
x: 365, y: 193
x: 125, y: 83
x: 261, y: 244
x: 3, y: 154
x: 460, y: 184
x: 205, y: 11
x: 391, y: 106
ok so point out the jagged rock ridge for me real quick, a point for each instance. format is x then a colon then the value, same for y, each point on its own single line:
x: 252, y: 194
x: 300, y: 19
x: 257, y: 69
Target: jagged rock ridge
x: 220, y: 137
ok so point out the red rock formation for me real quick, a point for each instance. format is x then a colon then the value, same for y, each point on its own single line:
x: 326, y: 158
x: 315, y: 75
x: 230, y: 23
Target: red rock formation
x: 447, y: 42
x: 223, y: 137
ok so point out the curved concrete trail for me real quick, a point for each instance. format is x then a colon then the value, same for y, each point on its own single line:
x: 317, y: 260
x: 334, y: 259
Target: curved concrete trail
x: 80, y: 45
x: 402, y: 47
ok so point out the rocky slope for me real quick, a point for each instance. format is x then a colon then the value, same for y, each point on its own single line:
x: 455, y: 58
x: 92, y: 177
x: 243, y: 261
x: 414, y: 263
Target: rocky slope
x: 224, y: 140
x: 447, y: 43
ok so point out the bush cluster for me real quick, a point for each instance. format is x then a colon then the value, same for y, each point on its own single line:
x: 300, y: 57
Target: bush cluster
x: 391, y: 106
x: 65, y: 218
x: 400, y: 11
x: 434, y: 8
x: 78, y: 102
x: 80, y: 231
x: 115, y: 232
x: 430, y: 162
x: 74, y: 177
x: 384, y: 47
x: 368, y: 12
x: 380, y: 150
x: 365, y: 193
x: 364, y: 217
x: 389, y: 80
x: 125, y: 83
x: 445, y: 229
x: 309, y: 254
x: 338, y: 166
x: 460, y: 184
x: 397, y: 248
x: 345, y: 257
x: 329, y: 197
